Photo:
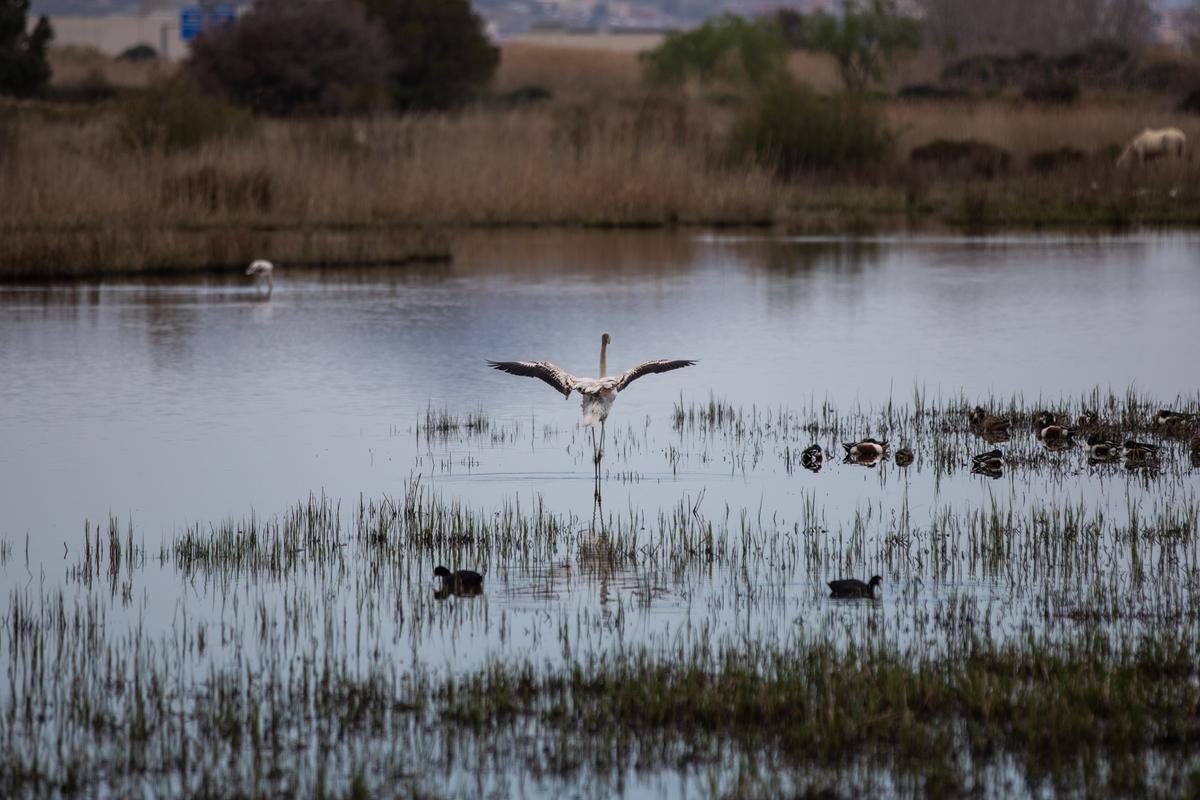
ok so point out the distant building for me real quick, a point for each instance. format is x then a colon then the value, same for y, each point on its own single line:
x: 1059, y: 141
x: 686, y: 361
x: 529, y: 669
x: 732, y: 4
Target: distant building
x: 114, y: 33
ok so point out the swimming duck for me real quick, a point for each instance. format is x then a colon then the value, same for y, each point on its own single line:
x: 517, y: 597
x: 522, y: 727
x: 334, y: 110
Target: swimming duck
x: 1140, y: 451
x: 987, y: 472
x: 1045, y: 419
x: 991, y: 460
x: 903, y: 457
x: 1166, y: 418
x: 1195, y: 444
x: 463, y: 580
x: 1100, y: 449
x: 1054, y: 433
x: 812, y: 457
x: 1087, y: 419
x: 865, y: 448
x: 989, y: 423
x: 851, y: 587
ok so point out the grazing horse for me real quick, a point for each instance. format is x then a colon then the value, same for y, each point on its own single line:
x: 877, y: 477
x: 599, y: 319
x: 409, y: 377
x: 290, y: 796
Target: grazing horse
x: 1154, y: 143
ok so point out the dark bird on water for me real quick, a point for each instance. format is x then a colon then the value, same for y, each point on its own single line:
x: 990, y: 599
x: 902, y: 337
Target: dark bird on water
x: 852, y: 587
x: 989, y: 423
x: 1140, y: 450
x: 991, y: 460
x: 461, y: 580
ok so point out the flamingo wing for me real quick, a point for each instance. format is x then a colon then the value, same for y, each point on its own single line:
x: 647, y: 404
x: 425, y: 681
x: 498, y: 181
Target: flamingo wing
x: 649, y: 368
x: 562, y: 381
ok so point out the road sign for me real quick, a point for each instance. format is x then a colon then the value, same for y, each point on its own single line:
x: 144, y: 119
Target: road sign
x: 193, y: 20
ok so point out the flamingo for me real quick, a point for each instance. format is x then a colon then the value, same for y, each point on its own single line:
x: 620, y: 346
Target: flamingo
x: 260, y: 269
x: 598, y: 393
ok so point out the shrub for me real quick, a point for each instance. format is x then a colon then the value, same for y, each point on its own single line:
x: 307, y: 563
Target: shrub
x: 24, y: 70
x: 1053, y: 160
x: 969, y: 155
x: 1058, y: 91
x: 442, y: 56
x: 729, y: 49
x: 138, y: 54
x: 1190, y: 104
x: 285, y: 56
x: 929, y: 91
x: 792, y: 128
x: 173, y: 114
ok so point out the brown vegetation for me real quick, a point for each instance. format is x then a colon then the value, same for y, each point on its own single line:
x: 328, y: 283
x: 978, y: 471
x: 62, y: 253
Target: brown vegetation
x: 601, y: 150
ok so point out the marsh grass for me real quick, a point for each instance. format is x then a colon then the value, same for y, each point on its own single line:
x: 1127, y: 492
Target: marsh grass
x: 608, y: 155
x: 1093, y: 689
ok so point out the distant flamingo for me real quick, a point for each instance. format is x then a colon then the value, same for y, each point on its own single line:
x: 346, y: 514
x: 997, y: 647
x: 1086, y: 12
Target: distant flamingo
x: 262, y: 269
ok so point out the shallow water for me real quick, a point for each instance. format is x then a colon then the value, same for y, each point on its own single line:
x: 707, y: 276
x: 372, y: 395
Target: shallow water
x: 184, y: 403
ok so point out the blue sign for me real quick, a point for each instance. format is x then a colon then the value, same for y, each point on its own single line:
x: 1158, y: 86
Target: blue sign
x: 193, y: 20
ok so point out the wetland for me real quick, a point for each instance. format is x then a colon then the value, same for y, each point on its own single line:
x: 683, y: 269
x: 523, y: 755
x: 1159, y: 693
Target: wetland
x: 222, y: 517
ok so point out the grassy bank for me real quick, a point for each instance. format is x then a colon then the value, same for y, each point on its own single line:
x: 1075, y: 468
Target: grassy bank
x: 87, y: 196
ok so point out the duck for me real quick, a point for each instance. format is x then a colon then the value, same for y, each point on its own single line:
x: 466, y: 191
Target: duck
x: 1045, y: 419
x: 987, y: 472
x: 903, y: 457
x: 865, y: 448
x: 989, y: 423
x: 1140, y: 451
x: 991, y: 460
x: 1087, y: 419
x: 1101, y: 449
x: 812, y: 457
x: 852, y: 587
x: 1195, y: 444
x: 1055, y: 433
x: 1166, y: 418
x: 463, y: 580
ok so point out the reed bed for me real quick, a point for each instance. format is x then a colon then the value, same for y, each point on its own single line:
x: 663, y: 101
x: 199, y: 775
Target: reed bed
x: 605, y: 153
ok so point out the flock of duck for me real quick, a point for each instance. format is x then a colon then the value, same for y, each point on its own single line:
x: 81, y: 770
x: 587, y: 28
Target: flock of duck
x: 1054, y: 431
x: 1102, y: 441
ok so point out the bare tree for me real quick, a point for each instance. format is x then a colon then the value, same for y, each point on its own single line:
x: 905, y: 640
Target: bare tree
x: 1047, y: 27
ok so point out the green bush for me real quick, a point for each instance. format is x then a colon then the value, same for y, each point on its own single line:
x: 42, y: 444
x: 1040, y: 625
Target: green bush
x: 728, y: 48
x: 442, y: 54
x: 792, y: 128
x: 174, y: 114
x: 24, y: 70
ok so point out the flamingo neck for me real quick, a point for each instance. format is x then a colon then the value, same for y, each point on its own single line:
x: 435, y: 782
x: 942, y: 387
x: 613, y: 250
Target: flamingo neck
x: 603, y: 359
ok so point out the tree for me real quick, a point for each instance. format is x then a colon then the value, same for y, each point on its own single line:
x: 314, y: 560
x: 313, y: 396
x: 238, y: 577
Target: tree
x: 24, y: 70
x: 440, y: 52
x: 863, y: 40
x: 285, y: 56
x: 1035, y: 25
x: 1191, y: 26
x: 728, y: 48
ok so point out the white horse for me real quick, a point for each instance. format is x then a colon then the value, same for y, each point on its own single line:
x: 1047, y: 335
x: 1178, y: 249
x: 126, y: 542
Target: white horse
x: 1154, y: 143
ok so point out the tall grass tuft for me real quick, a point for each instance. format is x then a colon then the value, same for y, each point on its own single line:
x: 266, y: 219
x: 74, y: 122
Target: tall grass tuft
x: 791, y: 128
